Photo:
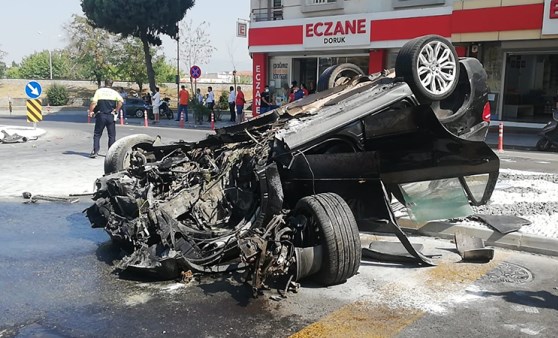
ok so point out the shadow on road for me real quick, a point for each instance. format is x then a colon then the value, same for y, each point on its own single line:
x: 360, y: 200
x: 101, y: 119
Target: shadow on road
x: 538, y: 299
x: 79, y: 153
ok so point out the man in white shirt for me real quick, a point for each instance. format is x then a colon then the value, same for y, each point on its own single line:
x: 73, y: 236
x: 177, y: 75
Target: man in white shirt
x: 210, y: 102
x: 156, y: 102
x: 232, y: 98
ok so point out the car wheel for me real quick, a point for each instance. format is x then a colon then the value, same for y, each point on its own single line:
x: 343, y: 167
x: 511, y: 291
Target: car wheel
x: 430, y: 66
x: 118, y: 156
x: 543, y: 144
x: 337, y: 75
x: 330, y: 219
x: 139, y: 113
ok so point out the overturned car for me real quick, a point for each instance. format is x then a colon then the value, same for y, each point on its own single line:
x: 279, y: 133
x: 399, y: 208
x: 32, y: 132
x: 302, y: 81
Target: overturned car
x: 286, y: 193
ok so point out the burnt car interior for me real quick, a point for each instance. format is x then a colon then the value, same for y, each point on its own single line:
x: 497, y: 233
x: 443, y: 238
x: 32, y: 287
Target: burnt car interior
x: 285, y: 194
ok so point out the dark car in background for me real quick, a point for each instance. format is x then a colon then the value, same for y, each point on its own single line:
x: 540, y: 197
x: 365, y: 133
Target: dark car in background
x: 135, y: 107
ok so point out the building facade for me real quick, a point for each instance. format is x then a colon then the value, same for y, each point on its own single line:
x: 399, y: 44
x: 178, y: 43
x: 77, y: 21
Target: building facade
x: 516, y: 40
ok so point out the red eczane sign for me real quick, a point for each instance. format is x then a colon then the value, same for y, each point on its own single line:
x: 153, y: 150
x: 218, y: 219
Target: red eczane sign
x: 331, y: 28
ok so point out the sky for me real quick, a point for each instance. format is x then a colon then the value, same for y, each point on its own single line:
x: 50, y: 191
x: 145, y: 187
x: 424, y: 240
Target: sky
x: 35, y: 25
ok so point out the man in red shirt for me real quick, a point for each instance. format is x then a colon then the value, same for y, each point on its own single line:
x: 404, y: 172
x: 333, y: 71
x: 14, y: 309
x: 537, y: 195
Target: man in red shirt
x: 240, y: 101
x: 183, y: 98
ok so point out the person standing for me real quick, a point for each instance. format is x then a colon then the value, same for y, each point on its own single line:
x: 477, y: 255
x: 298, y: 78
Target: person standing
x: 124, y: 96
x: 232, y: 99
x: 239, y: 101
x: 156, y: 102
x: 105, y: 105
x: 210, y: 102
x: 265, y: 104
x: 183, y: 98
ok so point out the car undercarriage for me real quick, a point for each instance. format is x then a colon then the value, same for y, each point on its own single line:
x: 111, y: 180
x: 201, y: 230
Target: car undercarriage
x: 286, y: 194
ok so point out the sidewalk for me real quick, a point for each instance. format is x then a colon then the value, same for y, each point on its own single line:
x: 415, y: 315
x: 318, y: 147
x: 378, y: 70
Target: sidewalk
x: 517, y: 135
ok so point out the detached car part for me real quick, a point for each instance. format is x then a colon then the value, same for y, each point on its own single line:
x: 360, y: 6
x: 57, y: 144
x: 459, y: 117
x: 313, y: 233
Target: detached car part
x: 282, y: 195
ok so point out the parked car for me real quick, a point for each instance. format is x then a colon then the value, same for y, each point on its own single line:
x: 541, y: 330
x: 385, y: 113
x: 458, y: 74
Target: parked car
x: 285, y: 194
x: 135, y: 107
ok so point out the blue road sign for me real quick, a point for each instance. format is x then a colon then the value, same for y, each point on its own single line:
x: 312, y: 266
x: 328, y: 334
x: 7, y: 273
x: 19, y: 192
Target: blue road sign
x: 33, y: 89
x: 195, y: 72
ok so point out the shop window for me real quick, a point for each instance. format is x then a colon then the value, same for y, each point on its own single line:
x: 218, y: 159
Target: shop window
x: 361, y: 61
x: 413, y: 3
x: 320, y: 5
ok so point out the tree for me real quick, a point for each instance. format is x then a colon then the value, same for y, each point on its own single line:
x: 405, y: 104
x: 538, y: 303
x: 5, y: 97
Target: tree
x: 37, y: 65
x: 93, y: 50
x: 195, y: 45
x: 144, y: 19
x: 130, y: 65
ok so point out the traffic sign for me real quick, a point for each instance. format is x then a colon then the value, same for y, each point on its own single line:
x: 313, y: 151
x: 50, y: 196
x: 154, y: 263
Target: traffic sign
x: 195, y: 72
x: 34, y: 110
x: 33, y: 89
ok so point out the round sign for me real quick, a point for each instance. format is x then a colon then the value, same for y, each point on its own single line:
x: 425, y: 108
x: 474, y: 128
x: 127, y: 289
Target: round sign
x: 195, y: 72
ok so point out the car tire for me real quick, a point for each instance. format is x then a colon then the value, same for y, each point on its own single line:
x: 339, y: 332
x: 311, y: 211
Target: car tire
x: 118, y: 155
x: 543, y: 144
x: 339, y: 236
x: 139, y: 113
x: 337, y: 74
x: 430, y: 66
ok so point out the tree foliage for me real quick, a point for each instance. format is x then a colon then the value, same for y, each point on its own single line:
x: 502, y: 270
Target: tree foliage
x: 93, y: 50
x: 144, y: 19
x: 37, y: 65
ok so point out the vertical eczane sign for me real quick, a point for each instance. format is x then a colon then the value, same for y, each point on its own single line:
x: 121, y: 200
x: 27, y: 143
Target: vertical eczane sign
x: 550, y: 17
x: 259, y: 70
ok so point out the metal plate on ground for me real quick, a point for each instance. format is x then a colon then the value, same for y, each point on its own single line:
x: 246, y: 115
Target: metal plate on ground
x: 509, y: 273
x: 472, y: 248
x: 390, y: 252
x: 504, y: 224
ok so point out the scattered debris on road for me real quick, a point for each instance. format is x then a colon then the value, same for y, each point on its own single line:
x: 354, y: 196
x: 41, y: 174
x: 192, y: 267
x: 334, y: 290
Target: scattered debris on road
x: 472, y: 249
x: 30, y: 198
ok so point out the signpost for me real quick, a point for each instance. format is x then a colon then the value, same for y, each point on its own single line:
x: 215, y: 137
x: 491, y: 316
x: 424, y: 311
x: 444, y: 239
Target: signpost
x: 195, y: 73
x: 34, y: 111
x: 33, y: 90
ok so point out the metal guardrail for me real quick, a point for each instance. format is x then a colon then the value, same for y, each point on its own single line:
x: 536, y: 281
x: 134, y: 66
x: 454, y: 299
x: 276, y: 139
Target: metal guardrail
x: 267, y: 14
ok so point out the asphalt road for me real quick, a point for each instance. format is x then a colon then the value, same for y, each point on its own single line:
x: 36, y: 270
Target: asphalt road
x: 57, y: 274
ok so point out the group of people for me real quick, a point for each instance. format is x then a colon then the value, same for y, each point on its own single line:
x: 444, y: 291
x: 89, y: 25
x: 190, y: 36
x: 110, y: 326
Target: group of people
x: 107, y: 103
x: 295, y: 92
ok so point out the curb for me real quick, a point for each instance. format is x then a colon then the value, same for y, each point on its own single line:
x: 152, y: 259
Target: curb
x: 515, y: 240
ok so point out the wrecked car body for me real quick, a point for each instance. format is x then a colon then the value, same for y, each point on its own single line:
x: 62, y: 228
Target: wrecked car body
x: 286, y: 194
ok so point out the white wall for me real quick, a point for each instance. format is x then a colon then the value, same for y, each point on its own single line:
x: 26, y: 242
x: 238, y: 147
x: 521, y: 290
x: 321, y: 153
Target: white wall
x: 292, y: 9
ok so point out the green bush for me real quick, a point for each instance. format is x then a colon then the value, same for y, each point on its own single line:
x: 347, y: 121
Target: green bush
x: 199, y: 110
x: 57, y: 95
x: 223, y: 103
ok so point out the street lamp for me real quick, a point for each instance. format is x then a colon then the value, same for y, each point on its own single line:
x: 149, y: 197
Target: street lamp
x: 49, y: 56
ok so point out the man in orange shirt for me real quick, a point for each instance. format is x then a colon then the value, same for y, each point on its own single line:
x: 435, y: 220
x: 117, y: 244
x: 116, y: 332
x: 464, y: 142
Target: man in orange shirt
x: 183, y: 98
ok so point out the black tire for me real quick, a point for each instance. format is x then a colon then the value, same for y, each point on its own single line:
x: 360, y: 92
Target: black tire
x: 543, y: 144
x: 170, y: 114
x: 139, y: 113
x: 118, y: 156
x: 407, y: 67
x: 339, y: 236
x: 338, y: 74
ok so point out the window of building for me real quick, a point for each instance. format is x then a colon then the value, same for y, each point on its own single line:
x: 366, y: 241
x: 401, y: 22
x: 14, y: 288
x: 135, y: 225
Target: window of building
x: 320, y: 5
